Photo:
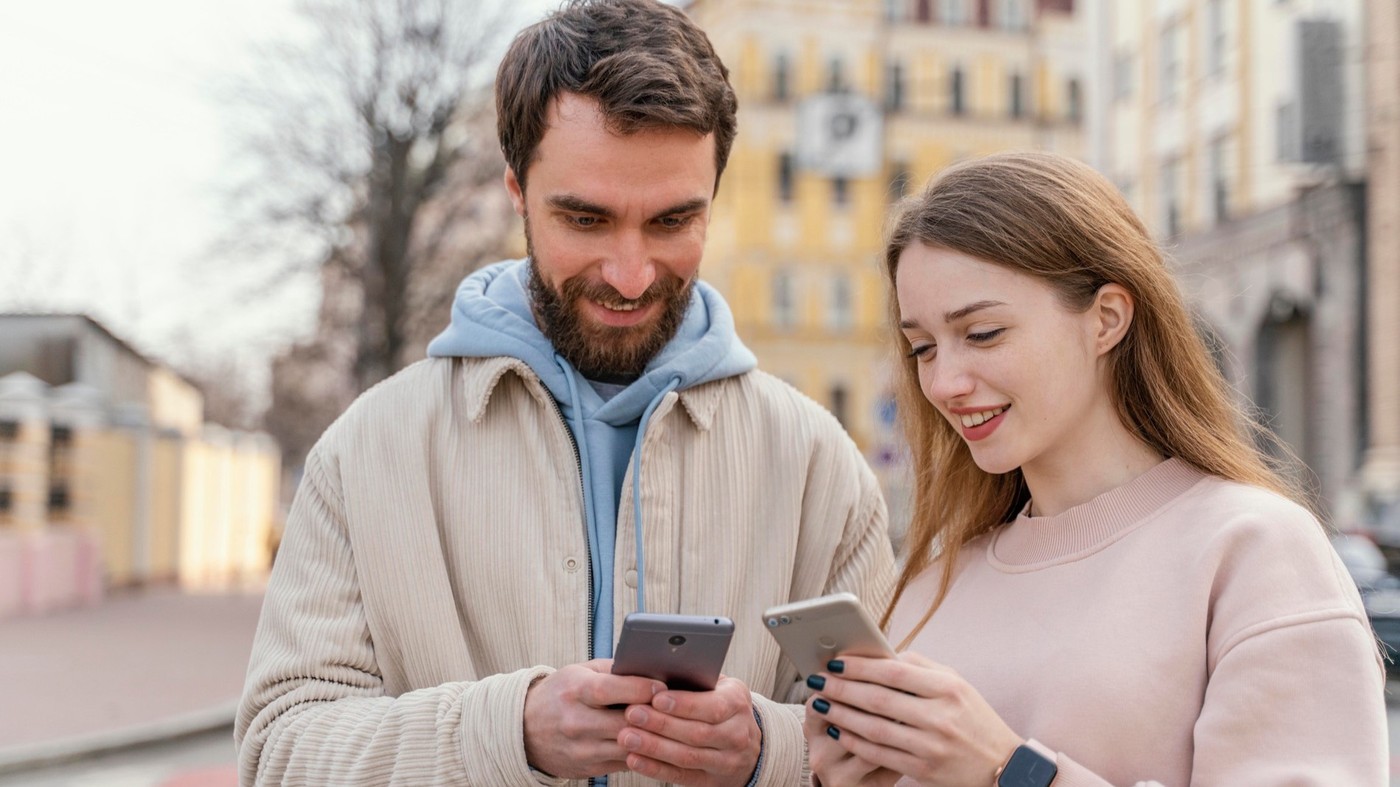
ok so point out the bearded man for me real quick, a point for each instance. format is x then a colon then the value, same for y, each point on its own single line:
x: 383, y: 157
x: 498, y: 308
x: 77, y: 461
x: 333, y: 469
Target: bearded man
x: 588, y: 438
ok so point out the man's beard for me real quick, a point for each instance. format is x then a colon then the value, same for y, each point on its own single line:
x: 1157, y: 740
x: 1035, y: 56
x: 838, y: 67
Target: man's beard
x: 603, y: 352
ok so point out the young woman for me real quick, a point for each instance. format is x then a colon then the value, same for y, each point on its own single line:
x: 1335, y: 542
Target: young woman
x: 1106, y: 584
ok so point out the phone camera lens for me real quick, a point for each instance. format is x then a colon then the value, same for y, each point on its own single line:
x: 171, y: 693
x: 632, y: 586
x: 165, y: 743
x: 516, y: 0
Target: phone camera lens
x: 772, y: 623
x: 785, y: 620
x: 677, y: 640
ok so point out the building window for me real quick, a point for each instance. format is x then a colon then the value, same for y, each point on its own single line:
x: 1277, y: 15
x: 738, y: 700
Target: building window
x: 840, y: 190
x: 899, y: 180
x: 784, y: 302
x: 894, y: 86
x: 1015, y: 15
x: 1122, y: 76
x: 923, y: 11
x: 1169, y: 59
x: 7, y: 500
x: 952, y: 12
x: 1018, y: 106
x: 1219, y: 182
x: 839, y: 402
x: 1171, y: 207
x: 58, y: 498
x: 9, y: 431
x: 836, y: 76
x: 840, y: 319
x: 1075, y: 101
x: 785, y: 177
x: 781, y: 78
x: 1215, y: 37
x: 956, y: 90
x: 893, y: 10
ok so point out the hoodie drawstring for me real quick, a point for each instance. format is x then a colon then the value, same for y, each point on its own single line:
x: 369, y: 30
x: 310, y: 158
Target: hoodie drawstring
x: 637, y: 490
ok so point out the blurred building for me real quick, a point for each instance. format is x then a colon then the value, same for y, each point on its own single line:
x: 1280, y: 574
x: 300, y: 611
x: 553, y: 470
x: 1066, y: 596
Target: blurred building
x: 844, y: 106
x: 1235, y: 127
x: 109, y: 477
x: 1382, y: 58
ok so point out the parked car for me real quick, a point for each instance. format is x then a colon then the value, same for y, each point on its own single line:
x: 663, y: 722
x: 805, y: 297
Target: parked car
x: 1380, y: 591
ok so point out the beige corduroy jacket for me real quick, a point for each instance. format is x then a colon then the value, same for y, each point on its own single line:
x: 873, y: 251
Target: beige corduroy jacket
x: 435, y: 563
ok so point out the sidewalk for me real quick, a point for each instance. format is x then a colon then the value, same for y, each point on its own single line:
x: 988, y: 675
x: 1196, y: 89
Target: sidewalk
x: 133, y: 669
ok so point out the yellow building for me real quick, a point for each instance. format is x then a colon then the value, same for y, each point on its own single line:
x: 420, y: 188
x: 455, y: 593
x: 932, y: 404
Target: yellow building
x: 109, y: 477
x: 795, y: 248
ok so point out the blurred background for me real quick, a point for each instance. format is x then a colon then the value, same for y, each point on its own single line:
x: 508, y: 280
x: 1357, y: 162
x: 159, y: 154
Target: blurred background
x: 219, y: 223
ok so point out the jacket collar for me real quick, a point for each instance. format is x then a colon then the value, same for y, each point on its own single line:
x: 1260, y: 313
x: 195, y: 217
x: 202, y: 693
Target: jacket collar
x: 478, y: 378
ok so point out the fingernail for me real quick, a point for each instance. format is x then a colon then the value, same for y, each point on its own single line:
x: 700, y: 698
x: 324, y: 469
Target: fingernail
x: 632, y: 740
x: 657, y: 688
x: 637, y: 716
x: 834, y: 733
x: 664, y: 703
x: 821, y: 705
x: 836, y: 665
x: 816, y: 682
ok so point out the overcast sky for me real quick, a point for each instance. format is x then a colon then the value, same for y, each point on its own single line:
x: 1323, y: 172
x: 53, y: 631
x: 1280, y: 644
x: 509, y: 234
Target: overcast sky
x: 113, y: 146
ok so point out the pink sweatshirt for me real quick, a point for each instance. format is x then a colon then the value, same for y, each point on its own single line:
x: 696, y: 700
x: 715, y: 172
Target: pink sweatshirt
x: 1178, y: 630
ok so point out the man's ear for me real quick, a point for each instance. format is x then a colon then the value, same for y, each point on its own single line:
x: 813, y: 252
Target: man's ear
x: 517, y: 194
x: 1113, y: 308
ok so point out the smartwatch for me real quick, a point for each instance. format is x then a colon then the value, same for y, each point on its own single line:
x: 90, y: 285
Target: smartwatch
x: 1026, y: 768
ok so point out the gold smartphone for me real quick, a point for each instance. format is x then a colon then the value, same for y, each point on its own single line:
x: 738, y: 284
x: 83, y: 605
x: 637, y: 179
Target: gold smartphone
x: 817, y: 630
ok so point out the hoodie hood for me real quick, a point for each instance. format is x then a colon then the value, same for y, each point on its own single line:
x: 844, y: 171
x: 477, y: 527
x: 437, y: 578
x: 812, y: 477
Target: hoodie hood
x: 491, y: 316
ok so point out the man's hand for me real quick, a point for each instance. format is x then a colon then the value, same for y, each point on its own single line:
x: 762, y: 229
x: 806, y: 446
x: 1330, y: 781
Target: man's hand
x: 694, y: 738
x: 569, y: 730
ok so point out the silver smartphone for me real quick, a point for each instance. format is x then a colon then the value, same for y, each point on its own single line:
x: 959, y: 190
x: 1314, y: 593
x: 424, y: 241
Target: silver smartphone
x: 817, y: 630
x: 683, y: 651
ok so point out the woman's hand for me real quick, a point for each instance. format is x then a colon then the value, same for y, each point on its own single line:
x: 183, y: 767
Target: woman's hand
x: 832, y: 765
x: 906, y: 716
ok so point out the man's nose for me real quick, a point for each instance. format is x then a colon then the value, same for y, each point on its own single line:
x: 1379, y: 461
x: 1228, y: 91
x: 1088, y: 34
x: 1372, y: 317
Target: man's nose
x: 630, y: 270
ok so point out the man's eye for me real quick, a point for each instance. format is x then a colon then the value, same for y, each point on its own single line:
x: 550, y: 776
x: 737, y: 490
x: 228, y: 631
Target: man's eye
x: 674, y: 222
x: 584, y: 221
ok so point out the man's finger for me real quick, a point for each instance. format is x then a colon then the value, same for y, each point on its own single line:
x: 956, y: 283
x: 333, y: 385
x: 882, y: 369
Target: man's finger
x: 724, y: 737
x: 662, y: 772
x: 729, y: 698
x: 605, y: 690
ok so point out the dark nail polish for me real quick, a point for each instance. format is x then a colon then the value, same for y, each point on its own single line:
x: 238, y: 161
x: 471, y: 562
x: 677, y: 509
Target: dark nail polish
x: 821, y: 706
x: 816, y: 682
x: 836, y: 665
x: 834, y: 733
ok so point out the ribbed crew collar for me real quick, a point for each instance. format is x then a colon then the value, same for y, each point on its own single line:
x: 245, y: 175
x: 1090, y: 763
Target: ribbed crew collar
x: 1029, y: 544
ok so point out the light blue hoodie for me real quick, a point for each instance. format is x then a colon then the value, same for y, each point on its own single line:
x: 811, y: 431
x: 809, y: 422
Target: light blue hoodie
x: 492, y: 317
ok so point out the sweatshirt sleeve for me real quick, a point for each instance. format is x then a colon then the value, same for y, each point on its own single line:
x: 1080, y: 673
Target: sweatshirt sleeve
x: 863, y: 565
x: 314, y: 710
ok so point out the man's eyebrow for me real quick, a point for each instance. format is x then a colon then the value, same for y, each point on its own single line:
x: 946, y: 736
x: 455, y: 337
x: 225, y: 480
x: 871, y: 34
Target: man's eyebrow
x: 689, y: 206
x: 958, y: 314
x: 575, y: 204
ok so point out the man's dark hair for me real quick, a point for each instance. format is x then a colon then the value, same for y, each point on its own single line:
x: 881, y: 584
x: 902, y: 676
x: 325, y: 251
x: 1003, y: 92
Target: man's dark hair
x: 645, y: 63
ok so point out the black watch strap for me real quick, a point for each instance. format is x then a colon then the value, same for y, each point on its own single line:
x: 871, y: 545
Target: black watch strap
x: 1027, y: 768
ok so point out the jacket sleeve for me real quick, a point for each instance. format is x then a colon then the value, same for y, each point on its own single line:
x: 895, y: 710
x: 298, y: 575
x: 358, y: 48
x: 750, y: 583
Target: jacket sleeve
x: 314, y: 710
x: 864, y: 565
x: 1299, y: 701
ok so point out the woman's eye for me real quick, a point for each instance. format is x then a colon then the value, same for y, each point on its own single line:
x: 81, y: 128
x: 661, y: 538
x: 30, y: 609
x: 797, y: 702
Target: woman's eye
x: 985, y: 336
x: 922, y: 351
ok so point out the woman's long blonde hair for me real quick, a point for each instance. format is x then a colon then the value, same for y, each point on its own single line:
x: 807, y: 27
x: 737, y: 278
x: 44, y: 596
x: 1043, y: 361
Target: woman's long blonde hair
x: 1060, y: 221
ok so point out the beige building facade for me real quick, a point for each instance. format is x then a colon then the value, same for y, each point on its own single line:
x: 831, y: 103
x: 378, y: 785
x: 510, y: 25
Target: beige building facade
x: 110, y: 478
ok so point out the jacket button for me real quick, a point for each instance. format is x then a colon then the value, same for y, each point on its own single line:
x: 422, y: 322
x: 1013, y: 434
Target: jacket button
x: 571, y: 564
x: 630, y: 578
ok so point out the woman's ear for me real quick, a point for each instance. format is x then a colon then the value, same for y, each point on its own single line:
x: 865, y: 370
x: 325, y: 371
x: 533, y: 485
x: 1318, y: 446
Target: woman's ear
x: 1113, y: 308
